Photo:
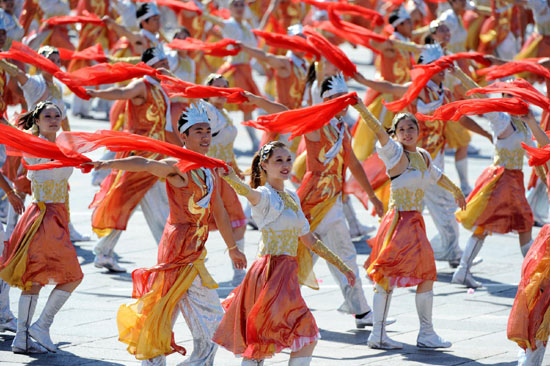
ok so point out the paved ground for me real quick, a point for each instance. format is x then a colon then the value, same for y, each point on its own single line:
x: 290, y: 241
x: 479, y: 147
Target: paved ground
x: 85, y: 330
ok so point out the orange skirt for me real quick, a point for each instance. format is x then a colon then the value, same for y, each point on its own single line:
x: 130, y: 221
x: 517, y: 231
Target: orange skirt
x: 267, y: 313
x: 232, y: 206
x: 40, y: 249
x: 530, y: 317
x: 498, y: 204
x: 240, y: 76
x: 401, y: 253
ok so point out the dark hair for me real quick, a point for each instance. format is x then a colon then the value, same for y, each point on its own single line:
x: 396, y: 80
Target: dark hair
x: 262, y: 155
x: 142, y: 10
x: 400, y: 117
x: 429, y: 39
x: 184, y: 30
x: 27, y: 120
x: 326, y: 84
x: 213, y: 77
x: 181, y: 121
x: 148, y: 54
x: 311, y: 74
x: 394, y: 15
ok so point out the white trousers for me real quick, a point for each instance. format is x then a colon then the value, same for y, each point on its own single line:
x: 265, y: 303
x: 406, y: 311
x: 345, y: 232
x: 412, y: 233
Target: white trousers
x: 334, y: 233
x: 155, y: 209
x: 538, y: 201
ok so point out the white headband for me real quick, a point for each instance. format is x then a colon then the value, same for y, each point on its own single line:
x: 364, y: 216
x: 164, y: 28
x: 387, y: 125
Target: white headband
x: 337, y: 84
x: 194, y: 114
x: 431, y: 53
x: 402, y: 15
x: 158, y: 55
x: 151, y: 11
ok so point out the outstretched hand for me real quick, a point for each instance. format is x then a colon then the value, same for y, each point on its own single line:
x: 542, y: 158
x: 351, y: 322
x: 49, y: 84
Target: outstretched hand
x: 238, y: 258
x: 461, y: 201
x: 378, y: 206
x: 351, y: 277
x: 97, y: 165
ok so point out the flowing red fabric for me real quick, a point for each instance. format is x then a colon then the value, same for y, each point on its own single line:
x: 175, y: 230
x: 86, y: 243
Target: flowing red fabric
x: 176, y: 5
x: 333, y: 54
x: 292, y: 43
x: 94, y: 53
x: 347, y: 8
x: 25, y: 144
x: 218, y: 12
x: 514, y: 67
x: 327, y: 26
x: 537, y: 155
x: 175, y: 87
x: 219, y: 49
x: 25, y: 54
x: 110, y: 73
x: 454, y: 110
x: 476, y: 56
x: 81, y: 142
x: 354, y: 28
x: 303, y: 120
x: 519, y: 88
x: 88, y: 18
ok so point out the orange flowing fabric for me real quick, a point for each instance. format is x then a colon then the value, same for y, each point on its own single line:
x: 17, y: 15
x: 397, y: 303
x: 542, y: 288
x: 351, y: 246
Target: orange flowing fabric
x: 292, y: 43
x: 354, y: 28
x: 333, y: 54
x: 515, y: 67
x: 267, y: 313
x: 519, y: 88
x: 455, y: 110
x: 40, y: 249
x: 303, y: 120
x: 529, y: 319
x: 401, y: 253
x: 94, y: 53
x: 219, y: 49
x: 20, y: 52
x: 498, y: 204
x: 22, y: 143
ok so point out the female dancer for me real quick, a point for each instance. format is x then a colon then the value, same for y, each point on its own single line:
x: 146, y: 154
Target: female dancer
x: 251, y: 327
x: 40, y: 251
x: 401, y: 253
x: 497, y: 203
x: 527, y: 325
x: 173, y: 284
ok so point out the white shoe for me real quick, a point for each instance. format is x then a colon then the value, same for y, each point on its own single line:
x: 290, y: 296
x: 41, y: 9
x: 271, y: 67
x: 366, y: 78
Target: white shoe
x: 105, y: 261
x: 76, y: 236
x: 7, y: 319
x: 9, y: 325
x: 368, y: 321
x: 378, y: 338
x: 427, y: 337
x: 22, y: 343
x: 40, y: 330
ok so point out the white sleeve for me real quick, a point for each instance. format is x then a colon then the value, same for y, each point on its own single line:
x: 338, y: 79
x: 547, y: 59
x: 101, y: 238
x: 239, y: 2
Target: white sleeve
x: 301, y: 217
x: 33, y: 89
x: 390, y: 153
x: 498, y: 121
x: 433, y: 170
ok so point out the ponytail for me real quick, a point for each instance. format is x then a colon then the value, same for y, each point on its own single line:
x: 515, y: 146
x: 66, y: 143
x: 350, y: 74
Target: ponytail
x: 27, y: 121
x: 256, y: 172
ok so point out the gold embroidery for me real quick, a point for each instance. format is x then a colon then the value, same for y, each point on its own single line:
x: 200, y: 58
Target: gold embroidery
x: 49, y: 191
x: 289, y: 202
x: 222, y: 152
x: 405, y: 200
x: 279, y: 242
x: 509, y: 159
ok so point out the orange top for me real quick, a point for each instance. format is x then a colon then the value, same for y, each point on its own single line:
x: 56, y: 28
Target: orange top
x: 290, y: 90
x: 395, y: 69
x: 149, y: 118
x: 323, y: 183
x: 432, y: 133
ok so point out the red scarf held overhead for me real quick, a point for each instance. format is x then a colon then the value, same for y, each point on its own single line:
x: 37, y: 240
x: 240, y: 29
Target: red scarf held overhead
x: 347, y: 8
x: 515, y: 67
x: 327, y: 26
x: 519, y: 88
x: 94, y: 53
x: 292, y: 43
x: 333, y: 54
x: 176, y: 5
x: 86, y: 18
x: 175, y: 87
x: 219, y: 49
x: 82, y: 142
x: 20, y: 52
x: 303, y: 120
x: 110, y: 73
x: 467, y: 107
x: 21, y: 143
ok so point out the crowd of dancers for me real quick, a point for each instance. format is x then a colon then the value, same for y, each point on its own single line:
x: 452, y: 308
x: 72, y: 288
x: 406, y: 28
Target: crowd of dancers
x: 167, y: 73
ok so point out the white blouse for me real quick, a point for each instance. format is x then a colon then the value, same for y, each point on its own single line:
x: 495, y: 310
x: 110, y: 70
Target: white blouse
x: 281, y: 221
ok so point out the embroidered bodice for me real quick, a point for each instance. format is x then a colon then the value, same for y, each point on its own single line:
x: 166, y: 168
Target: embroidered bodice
x: 49, y: 185
x: 508, y: 151
x: 407, y: 189
x: 281, y: 221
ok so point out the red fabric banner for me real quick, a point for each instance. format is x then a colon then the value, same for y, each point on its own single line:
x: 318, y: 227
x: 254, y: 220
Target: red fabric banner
x: 178, y: 88
x: 93, y: 53
x: 110, y: 73
x: 219, y: 49
x: 87, y: 18
x: 454, y: 110
x: 515, y: 67
x: 176, y: 5
x: 303, y: 120
x: 519, y: 88
x: 292, y: 43
x: 332, y: 53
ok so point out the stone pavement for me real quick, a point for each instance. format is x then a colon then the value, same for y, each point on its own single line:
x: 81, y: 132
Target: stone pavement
x: 86, y: 333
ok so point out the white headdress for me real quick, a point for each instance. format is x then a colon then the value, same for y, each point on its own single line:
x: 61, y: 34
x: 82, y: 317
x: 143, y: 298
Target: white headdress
x: 402, y: 15
x: 431, y: 53
x: 295, y: 30
x: 337, y: 84
x: 411, y: 5
x: 195, y: 113
x: 217, y: 120
x: 151, y: 10
x: 158, y: 55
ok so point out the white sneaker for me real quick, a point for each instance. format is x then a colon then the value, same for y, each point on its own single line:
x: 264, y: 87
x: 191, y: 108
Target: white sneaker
x: 104, y: 261
x: 430, y: 339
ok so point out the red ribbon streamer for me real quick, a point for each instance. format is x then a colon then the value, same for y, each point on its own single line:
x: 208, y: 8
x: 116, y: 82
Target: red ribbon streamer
x: 87, y: 18
x: 515, y: 67
x: 519, y: 88
x: 218, y: 49
x: 303, y: 120
x: 176, y: 5
x: 332, y: 53
x: 109, y: 73
x: 175, y: 87
x: 93, y: 53
x: 537, y: 156
x: 453, y: 111
x: 293, y: 43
